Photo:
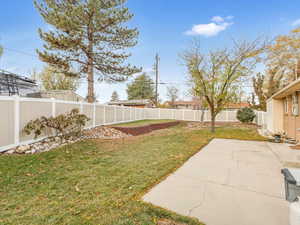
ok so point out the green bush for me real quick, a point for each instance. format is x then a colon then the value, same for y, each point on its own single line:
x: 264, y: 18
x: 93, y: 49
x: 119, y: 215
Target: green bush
x: 66, y: 125
x: 245, y: 115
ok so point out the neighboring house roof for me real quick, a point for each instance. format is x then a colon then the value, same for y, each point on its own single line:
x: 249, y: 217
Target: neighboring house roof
x: 287, y: 90
x: 132, y: 102
x: 197, y: 103
x: 184, y: 103
x: 13, y: 84
x: 237, y: 105
x: 66, y: 95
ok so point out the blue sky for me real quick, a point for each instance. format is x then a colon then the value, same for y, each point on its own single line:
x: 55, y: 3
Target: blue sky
x: 166, y: 27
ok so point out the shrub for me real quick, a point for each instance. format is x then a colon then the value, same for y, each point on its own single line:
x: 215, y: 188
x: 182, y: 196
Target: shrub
x: 245, y: 115
x: 66, y: 125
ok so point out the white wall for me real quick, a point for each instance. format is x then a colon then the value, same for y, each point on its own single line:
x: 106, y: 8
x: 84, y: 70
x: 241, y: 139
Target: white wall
x: 274, y: 116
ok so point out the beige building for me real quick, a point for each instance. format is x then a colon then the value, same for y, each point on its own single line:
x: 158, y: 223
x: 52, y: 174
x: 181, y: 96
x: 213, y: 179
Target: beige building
x: 283, y: 111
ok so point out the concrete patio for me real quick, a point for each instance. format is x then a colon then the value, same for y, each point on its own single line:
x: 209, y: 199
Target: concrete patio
x: 229, y: 182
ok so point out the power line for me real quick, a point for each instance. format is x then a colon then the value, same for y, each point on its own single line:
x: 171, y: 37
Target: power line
x: 20, y: 52
x: 156, y: 70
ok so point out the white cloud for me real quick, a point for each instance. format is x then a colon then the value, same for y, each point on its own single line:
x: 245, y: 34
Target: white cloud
x: 217, y: 25
x: 296, y: 22
x: 217, y: 19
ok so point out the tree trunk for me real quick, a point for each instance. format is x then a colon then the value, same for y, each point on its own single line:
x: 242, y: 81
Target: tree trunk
x: 90, y: 78
x: 213, y: 122
x: 90, y: 68
x: 202, y: 114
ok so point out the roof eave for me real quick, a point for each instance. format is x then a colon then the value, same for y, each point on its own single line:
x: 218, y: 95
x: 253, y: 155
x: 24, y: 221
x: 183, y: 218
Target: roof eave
x: 288, y: 90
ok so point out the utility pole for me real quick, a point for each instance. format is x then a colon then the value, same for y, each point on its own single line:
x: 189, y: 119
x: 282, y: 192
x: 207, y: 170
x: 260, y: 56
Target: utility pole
x: 156, y: 80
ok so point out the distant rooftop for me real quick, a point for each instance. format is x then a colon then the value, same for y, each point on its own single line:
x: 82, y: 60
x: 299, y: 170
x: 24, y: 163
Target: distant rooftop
x: 13, y: 84
x: 131, y: 102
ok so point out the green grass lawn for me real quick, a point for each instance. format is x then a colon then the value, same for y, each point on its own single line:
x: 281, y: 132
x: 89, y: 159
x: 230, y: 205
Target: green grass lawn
x: 141, y: 123
x: 99, y: 182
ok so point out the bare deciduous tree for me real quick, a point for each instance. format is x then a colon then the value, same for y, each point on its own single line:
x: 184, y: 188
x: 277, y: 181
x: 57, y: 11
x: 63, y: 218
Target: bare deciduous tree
x: 172, y: 94
x: 218, y: 75
x: 51, y: 78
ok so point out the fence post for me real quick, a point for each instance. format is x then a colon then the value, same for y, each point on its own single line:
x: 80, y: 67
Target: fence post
x: 159, y: 113
x: 130, y: 117
x: 173, y: 113
x: 227, y: 115
x: 183, y: 112
x: 17, y: 119
x: 115, y: 113
x: 94, y: 114
x: 81, y: 107
x: 194, y: 115
x: 53, y: 102
x: 123, y: 113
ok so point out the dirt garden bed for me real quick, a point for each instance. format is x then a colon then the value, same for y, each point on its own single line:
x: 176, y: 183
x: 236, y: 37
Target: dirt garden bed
x: 135, y: 131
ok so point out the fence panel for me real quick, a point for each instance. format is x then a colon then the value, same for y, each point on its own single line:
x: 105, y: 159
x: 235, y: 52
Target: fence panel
x: 179, y: 114
x: 16, y: 112
x: 7, y: 127
x: 126, y: 114
x: 30, y: 109
x: 221, y: 116
x: 207, y: 116
x: 109, y: 114
x: 88, y: 110
x: 65, y: 107
x: 166, y: 114
x: 119, y: 114
x: 188, y: 115
x: 232, y: 116
x: 100, y: 117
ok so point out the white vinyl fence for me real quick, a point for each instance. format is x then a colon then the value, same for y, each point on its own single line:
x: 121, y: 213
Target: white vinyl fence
x: 16, y: 112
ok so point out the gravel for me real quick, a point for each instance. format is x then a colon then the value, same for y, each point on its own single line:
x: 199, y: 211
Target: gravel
x: 50, y: 143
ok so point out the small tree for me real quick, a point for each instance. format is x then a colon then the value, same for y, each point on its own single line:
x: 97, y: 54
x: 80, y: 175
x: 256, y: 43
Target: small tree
x: 51, y: 79
x: 172, y: 94
x: 114, y: 97
x: 141, y: 88
x: 1, y: 50
x: 245, y: 115
x: 89, y: 35
x: 218, y: 76
x: 258, y: 92
x: 67, y: 125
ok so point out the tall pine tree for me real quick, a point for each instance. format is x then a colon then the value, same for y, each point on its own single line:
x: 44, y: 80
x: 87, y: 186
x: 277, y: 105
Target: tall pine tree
x: 88, y: 38
x: 141, y: 88
x: 114, y: 96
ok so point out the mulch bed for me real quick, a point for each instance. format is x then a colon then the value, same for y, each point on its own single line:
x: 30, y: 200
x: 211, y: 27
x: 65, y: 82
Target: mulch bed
x: 135, y: 131
x: 169, y: 222
x: 199, y: 125
x: 295, y: 147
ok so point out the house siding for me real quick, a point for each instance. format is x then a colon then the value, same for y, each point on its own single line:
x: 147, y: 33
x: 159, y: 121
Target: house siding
x: 291, y: 123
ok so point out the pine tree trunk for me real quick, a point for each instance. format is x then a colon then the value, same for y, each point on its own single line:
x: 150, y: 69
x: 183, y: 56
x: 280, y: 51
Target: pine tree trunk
x: 90, y: 77
x: 90, y: 69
